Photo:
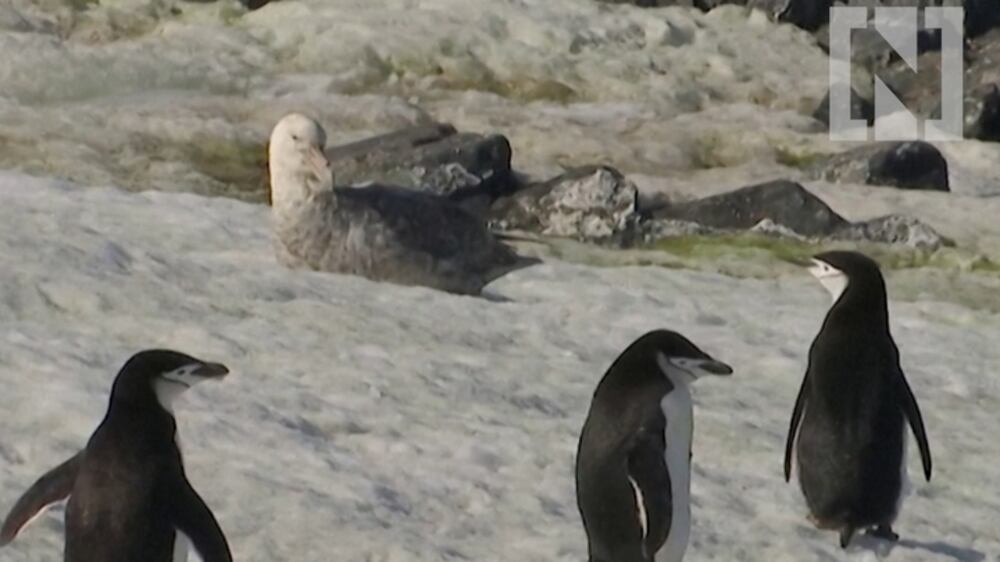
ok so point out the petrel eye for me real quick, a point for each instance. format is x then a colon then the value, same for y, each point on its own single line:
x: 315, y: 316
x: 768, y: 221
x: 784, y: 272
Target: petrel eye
x: 295, y: 137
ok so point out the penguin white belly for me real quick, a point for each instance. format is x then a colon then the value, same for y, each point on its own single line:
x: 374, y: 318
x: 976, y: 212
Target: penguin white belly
x: 181, y: 546
x: 679, y: 413
x: 905, y: 486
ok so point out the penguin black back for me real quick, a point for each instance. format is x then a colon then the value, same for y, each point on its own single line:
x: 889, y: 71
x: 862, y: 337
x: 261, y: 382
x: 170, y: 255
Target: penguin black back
x: 129, y: 498
x: 631, y: 504
x: 848, y: 423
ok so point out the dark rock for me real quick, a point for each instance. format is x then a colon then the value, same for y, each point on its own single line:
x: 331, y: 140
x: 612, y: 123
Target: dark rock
x: 982, y: 113
x: 981, y: 16
x: 784, y: 202
x: 897, y: 230
x: 592, y: 204
x: 982, y: 88
x: 652, y: 3
x: 907, y: 165
x: 435, y: 158
x: 255, y: 4
x: 807, y: 14
x: 861, y: 108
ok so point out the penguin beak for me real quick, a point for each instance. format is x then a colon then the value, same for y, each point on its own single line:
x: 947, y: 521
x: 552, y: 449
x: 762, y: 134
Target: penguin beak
x: 211, y: 370
x: 714, y: 367
x: 695, y: 368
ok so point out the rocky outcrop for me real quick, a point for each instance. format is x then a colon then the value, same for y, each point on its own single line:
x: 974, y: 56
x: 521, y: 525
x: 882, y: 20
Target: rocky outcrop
x: 783, y: 202
x: 592, y: 204
x: 862, y: 107
x: 982, y: 113
x: 920, y: 91
x: 435, y: 158
x: 895, y: 229
x: 980, y: 15
x: 906, y: 165
x: 783, y: 209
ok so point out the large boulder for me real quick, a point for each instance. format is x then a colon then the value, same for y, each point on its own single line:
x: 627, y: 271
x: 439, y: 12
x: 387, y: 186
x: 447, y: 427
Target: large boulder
x: 783, y: 202
x: 906, y: 165
x: 433, y: 158
x: 591, y: 204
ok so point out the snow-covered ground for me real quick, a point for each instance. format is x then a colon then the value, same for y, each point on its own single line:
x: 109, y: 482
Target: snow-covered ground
x: 375, y: 423
x: 372, y: 422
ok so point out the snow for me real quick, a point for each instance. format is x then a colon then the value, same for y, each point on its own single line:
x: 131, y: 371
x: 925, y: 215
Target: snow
x: 377, y: 423
x: 373, y: 422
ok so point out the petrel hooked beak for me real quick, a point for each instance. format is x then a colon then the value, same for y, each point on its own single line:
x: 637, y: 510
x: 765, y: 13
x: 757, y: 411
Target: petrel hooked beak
x: 317, y: 160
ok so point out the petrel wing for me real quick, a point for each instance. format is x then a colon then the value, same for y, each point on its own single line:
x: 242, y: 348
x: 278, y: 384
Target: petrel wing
x: 54, y: 486
x: 908, y: 403
x: 793, y: 426
x: 192, y: 517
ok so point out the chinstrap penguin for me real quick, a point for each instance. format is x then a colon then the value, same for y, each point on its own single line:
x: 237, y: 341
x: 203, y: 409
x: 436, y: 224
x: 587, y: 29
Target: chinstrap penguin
x: 381, y: 232
x: 633, y: 464
x: 848, y: 426
x: 129, y: 499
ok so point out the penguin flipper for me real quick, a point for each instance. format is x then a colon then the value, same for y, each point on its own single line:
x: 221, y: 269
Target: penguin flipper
x: 647, y: 473
x: 846, y: 534
x: 54, y: 486
x: 908, y: 403
x: 191, y: 516
x: 793, y: 427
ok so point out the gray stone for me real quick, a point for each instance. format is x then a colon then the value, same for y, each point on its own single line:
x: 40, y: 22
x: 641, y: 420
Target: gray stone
x: 982, y: 113
x: 896, y: 230
x: 592, y: 204
x: 861, y: 108
x: 906, y: 165
x: 784, y: 202
x: 435, y: 158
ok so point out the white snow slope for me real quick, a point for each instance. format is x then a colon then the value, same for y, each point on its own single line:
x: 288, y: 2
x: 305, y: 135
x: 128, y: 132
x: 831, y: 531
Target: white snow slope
x: 372, y: 422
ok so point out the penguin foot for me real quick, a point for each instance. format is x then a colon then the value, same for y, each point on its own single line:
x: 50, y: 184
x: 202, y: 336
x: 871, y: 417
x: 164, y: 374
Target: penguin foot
x: 883, y: 532
x: 846, y: 534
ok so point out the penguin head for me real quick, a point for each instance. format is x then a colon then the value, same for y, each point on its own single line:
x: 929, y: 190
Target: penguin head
x: 161, y: 375
x: 838, y: 270
x: 680, y: 360
x: 297, y: 163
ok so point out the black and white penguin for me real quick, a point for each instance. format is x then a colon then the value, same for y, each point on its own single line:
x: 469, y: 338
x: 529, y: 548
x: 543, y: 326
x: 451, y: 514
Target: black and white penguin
x: 633, y: 464
x: 848, y: 425
x: 129, y: 498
